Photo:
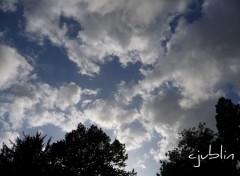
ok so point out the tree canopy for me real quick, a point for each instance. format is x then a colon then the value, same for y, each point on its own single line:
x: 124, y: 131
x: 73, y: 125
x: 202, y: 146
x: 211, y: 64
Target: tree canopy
x: 228, y: 125
x: 201, y: 151
x: 82, y: 152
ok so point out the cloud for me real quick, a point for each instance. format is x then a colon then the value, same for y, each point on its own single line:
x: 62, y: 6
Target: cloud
x: 8, y: 5
x: 14, y: 70
x: 66, y: 121
x: 31, y: 103
x: 37, y: 105
x: 131, y: 30
x: 141, y: 161
x: 68, y: 95
x: 133, y: 136
x: 200, y: 64
x: 7, y: 137
x: 13, y: 67
x: 201, y: 60
x: 109, y: 114
x: 57, y: 106
x: 125, y: 122
x: 184, y: 79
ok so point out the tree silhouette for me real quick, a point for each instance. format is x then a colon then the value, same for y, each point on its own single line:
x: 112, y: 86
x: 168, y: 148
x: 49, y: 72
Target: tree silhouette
x: 89, y: 152
x: 228, y: 125
x: 195, y: 142
x: 83, y: 152
x: 26, y: 157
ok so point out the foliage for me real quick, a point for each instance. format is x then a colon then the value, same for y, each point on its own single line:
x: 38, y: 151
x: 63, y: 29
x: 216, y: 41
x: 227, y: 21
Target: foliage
x: 25, y: 156
x: 228, y: 125
x: 198, y: 140
x: 85, y: 152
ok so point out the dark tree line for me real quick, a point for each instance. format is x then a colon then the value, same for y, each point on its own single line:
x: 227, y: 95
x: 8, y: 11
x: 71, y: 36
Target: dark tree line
x: 197, y: 141
x: 83, y: 152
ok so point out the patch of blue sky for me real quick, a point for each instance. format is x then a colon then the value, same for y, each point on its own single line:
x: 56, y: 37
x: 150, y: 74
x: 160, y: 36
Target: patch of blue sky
x: 54, y: 68
x: 72, y: 25
x: 232, y: 94
x: 12, y: 25
x: 135, y: 103
x: 49, y: 130
x: 112, y: 73
x: 194, y: 11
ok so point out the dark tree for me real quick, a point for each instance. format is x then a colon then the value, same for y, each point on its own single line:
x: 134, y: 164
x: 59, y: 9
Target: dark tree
x: 25, y: 157
x: 83, y: 152
x: 89, y: 152
x: 190, y: 142
x: 198, y: 141
x: 228, y: 125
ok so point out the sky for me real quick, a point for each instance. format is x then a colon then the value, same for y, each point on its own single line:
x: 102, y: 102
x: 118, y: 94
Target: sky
x: 141, y: 70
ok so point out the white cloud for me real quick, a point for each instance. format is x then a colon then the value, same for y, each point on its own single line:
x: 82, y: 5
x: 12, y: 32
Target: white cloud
x: 182, y: 88
x: 133, y: 136
x: 90, y: 92
x: 13, y: 67
x: 7, y: 137
x: 202, y: 58
x: 15, y: 109
x: 109, y: 114
x: 131, y: 30
x: 39, y: 104
x: 67, y: 121
x: 68, y: 95
x: 126, y: 123
x: 167, y: 142
x: 35, y: 104
x: 141, y: 161
x: 49, y: 99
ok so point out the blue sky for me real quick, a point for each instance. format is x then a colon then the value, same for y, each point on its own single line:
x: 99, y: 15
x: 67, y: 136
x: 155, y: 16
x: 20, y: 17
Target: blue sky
x: 141, y: 70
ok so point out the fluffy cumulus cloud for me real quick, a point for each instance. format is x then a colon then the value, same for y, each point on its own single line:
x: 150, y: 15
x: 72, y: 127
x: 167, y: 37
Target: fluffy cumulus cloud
x: 133, y: 136
x: 201, y: 60
x: 109, y: 114
x: 7, y: 137
x: 125, y: 123
x: 27, y: 102
x: 141, y: 161
x: 39, y: 105
x: 55, y: 106
x: 124, y: 28
x: 68, y: 95
x: 13, y: 67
